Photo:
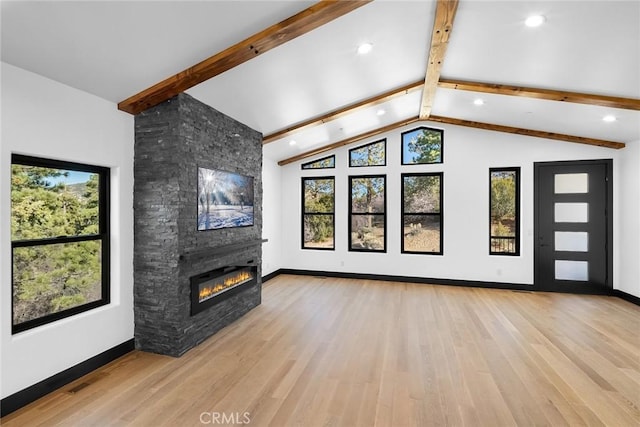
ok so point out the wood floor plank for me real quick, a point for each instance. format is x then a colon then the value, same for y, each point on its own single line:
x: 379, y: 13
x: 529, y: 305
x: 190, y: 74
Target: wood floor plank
x: 340, y: 352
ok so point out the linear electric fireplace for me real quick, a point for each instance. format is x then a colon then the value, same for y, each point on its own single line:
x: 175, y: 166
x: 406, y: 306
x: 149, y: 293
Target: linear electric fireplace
x: 213, y: 287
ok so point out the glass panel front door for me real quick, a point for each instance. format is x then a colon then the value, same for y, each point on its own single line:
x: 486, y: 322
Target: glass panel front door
x: 573, y: 226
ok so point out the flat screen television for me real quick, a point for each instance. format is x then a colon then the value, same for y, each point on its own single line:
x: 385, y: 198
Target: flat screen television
x: 225, y: 199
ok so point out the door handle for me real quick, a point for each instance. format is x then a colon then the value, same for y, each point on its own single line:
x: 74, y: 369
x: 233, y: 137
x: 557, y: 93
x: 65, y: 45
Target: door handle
x: 540, y: 244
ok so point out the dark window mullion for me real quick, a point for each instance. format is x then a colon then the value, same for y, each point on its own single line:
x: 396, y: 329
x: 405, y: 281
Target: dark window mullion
x: 421, y: 213
x: 56, y: 240
x: 104, y: 208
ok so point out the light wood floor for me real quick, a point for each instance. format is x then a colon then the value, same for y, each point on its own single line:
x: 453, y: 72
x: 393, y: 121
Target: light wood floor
x: 337, y: 352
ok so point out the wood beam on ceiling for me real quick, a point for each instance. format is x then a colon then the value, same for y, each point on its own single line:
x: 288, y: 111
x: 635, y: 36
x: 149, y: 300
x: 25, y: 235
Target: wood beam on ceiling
x: 309, y: 19
x: 527, y: 132
x: 348, y: 141
x: 341, y: 112
x: 457, y: 122
x: 442, y: 25
x: 547, y: 94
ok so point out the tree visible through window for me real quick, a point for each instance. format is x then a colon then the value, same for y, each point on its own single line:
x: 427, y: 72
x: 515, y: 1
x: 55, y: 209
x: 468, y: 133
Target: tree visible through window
x: 422, y: 145
x: 373, y: 154
x: 504, y: 211
x: 324, y: 163
x: 422, y: 213
x: 318, y: 220
x: 59, y: 239
x: 367, y: 212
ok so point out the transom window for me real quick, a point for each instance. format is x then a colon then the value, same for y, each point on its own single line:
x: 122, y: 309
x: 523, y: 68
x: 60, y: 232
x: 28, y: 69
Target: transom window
x: 372, y: 154
x: 328, y: 162
x: 422, y: 146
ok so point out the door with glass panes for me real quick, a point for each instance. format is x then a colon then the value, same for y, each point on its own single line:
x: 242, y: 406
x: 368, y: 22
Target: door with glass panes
x: 573, y: 226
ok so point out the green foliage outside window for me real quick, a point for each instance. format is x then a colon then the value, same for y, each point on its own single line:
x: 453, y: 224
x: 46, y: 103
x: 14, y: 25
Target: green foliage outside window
x: 324, y: 163
x: 373, y: 154
x: 504, y: 221
x: 422, y: 213
x: 421, y: 193
x: 318, y: 213
x: 56, y: 243
x: 422, y: 145
x: 368, y: 213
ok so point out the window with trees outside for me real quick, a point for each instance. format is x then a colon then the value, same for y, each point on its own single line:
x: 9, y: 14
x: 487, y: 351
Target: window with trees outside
x: 318, y: 207
x: 372, y: 154
x: 59, y: 240
x: 323, y: 163
x: 367, y: 213
x: 422, y: 213
x: 422, y: 146
x: 504, y: 222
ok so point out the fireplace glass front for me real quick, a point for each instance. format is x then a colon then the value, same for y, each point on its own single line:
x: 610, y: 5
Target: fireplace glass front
x: 213, y: 287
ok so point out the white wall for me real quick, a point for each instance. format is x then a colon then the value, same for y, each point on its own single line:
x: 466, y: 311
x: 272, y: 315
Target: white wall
x: 627, y: 243
x: 271, y: 216
x: 468, y: 155
x: 44, y: 118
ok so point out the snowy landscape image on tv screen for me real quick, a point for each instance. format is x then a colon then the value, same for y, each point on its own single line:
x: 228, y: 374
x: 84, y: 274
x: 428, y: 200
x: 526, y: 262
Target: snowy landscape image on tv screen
x: 225, y: 199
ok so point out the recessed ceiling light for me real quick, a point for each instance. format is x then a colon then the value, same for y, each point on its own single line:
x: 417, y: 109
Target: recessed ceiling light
x: 365, y: 48
x: 478, y: 101
x: 381, y: 112
x: 292, y: 142
x: 609, y: 118
x: 534, y: 21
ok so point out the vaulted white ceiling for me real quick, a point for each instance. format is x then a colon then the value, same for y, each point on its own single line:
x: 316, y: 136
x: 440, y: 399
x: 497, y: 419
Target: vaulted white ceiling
x: 117, y: 49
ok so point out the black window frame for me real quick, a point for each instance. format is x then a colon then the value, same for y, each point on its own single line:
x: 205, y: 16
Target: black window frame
x: 403, y: 213
x: 440, y: 131
x: 302, y: 166
x: 104, y: 235
x: 383, y: 141
x: 517, y: 238
x: 304, y: 213
x: 352, y: 214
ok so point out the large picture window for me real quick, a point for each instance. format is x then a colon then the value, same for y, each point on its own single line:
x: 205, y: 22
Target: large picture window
x: 367, y: 213
x: 504, y: 216
x: 59, y: 240
x: 318, y: 218
x: 422, y: 213
x: 372, y: 154
x: 422, y: 146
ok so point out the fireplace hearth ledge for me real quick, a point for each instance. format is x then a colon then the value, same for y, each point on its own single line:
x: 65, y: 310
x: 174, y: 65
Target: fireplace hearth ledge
x: 217, y: 250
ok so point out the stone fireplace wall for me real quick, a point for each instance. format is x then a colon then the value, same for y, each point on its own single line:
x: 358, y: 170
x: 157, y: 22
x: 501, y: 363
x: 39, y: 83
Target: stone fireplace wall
x: 172, y: 140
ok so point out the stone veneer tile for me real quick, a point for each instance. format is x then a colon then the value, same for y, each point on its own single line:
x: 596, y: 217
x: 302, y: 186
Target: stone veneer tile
x: 172, y: 140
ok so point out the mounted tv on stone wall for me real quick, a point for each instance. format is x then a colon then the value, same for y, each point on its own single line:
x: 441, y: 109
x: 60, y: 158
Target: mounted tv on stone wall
x: 225, y: 199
